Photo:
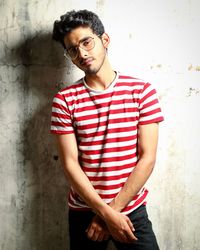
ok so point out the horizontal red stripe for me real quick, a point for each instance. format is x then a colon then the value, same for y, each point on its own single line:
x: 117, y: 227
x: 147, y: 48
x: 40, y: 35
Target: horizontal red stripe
x: 152, y: 112
x: 158, y: 119
x: 135, y: 85
x: 61, y: 132
x: 127, y: 77
x: 108, y: 131
x: 108, y: 169
x: 124, y: 96
x: 60, y: 106
x: 108, y: 140
x: 111, y: 121
x: 110, y: 150
x: 104, y: 105
x: 93, y: 125
x: 62, y: 116
x: 107, y: 113
x: 107, y: 196
x: 103, y: 187
x: 108, y: 178
x: 108, y: 159
x: 62, y: 124
x: 70, y: 93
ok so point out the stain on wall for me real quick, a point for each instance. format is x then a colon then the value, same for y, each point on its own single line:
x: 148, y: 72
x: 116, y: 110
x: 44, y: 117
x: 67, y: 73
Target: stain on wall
x: 194, y: 68
x: 193, y: 91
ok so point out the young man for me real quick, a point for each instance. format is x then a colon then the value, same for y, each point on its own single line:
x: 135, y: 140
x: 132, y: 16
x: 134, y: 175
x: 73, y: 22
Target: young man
x: 106, y: 127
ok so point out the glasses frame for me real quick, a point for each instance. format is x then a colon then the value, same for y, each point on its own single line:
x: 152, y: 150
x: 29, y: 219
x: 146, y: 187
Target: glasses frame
x: 66, y: 53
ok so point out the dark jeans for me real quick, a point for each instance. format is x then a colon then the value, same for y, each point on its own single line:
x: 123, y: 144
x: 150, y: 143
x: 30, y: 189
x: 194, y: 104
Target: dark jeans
x: 79, y: 221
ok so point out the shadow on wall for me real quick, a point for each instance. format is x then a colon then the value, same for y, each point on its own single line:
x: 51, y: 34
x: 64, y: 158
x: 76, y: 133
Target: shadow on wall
x: 42, y: 187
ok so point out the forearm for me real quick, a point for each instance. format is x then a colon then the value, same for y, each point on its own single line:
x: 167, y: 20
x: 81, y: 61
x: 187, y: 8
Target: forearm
x: 134, y: 183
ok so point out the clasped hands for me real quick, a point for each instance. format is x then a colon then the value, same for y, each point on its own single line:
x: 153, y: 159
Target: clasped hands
x: 118, y: 225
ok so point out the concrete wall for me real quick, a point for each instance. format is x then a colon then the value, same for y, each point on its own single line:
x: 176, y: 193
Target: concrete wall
x: 155, y: 40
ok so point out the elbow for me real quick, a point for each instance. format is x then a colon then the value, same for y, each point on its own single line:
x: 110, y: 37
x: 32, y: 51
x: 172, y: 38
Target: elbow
x: 151, y: 160
x: 148, y: 162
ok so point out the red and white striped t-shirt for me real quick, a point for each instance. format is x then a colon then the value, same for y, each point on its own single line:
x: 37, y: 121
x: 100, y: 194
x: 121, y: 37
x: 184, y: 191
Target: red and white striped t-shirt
x: 106, y: 125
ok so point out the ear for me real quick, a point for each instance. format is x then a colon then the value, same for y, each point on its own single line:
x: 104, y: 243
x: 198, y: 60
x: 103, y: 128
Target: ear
x: 105, y: 40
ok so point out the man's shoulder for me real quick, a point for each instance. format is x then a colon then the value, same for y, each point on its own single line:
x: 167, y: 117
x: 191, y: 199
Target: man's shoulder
x: 72, y: 87
x: 130, y: 80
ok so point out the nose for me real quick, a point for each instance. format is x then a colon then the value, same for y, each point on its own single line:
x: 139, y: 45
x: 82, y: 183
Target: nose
x: 81, y: 52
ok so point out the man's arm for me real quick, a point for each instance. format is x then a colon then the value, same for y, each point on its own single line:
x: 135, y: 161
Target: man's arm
x: 147, y: 146
x: 68, y: 152
x: 118, y: 224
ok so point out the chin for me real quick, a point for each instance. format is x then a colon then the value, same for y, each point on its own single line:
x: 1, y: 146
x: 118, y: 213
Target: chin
x: 91, y: 71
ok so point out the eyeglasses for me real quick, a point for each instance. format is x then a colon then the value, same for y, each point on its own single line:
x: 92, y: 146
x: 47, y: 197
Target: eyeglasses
x: 86, y: 44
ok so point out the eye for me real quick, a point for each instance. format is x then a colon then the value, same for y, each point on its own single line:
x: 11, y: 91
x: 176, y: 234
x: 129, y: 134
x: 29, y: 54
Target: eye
x: 72, y: 50
x: 87, y: 42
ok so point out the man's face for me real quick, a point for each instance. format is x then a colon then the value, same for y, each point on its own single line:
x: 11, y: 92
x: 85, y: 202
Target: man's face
x: 92, y: 60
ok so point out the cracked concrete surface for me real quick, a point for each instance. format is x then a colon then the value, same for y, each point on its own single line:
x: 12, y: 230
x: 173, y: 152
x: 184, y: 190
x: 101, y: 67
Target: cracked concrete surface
x: 154, y: 40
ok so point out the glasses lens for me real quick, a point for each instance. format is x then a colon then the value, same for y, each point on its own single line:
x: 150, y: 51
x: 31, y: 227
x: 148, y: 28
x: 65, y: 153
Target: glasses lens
x: 87, y: 44
x: 72, y: 52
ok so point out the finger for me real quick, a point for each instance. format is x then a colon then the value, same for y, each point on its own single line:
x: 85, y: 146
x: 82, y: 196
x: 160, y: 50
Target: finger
x: 131, y: 225
x: 103, y: 235
x: 95, y: 236
x: 120, y: 236
x: 90, y: 232
x: 129, y: 234
x: 123, y: 238
x: 100, y: 237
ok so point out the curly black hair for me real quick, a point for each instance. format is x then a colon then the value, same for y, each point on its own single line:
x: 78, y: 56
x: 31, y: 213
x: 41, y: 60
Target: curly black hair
x: 74, y: 19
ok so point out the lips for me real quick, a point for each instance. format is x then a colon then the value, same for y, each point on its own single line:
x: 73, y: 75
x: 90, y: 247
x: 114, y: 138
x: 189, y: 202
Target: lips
x: 87, y: 62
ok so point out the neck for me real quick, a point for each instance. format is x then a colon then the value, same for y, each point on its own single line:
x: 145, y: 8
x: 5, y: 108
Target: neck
x: 102, y: 79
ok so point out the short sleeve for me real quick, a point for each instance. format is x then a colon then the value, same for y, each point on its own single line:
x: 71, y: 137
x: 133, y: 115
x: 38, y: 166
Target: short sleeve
x: 149, y: 106
x: 61, y: 121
